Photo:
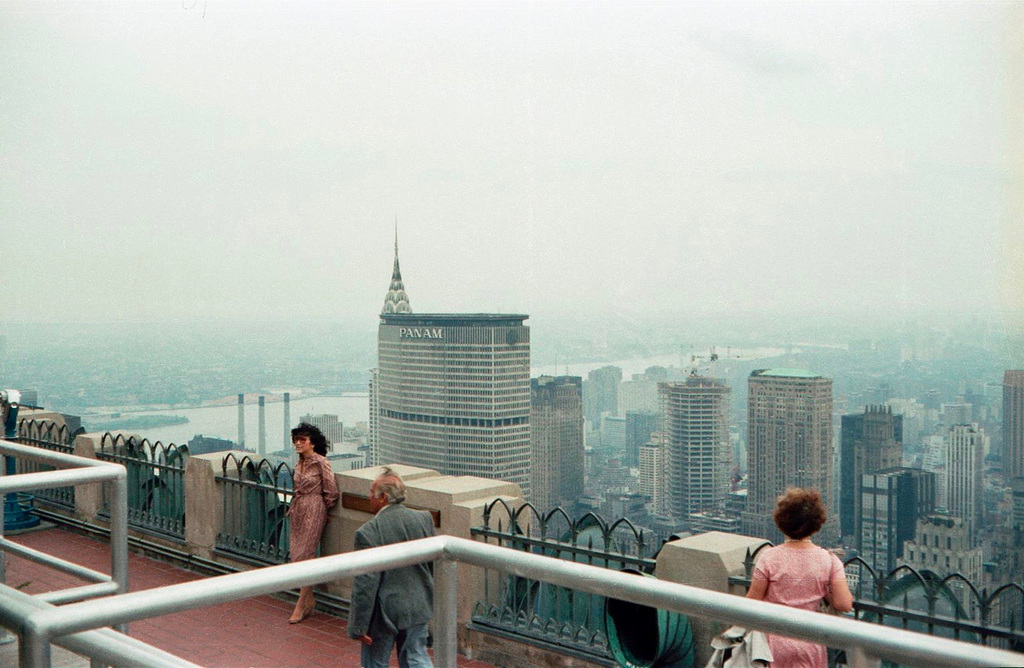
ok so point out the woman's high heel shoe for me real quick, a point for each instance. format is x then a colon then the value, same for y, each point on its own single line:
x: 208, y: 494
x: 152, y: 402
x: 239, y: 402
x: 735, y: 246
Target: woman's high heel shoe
x: 306, y: 612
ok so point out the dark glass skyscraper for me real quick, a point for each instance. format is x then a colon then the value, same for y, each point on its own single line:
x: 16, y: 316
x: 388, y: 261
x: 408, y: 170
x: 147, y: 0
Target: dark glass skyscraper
x: 870, y: 441
x: 1013, y: 424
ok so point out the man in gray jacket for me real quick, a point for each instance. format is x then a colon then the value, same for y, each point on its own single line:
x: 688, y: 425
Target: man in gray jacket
x: 392, y: 607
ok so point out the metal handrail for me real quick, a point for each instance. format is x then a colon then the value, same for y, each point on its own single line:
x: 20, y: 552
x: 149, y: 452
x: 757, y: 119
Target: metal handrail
x: 41, y: 627
x: 72, y: 470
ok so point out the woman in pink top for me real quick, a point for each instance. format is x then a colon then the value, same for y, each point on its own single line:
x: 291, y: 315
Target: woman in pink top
x: 799, y: 574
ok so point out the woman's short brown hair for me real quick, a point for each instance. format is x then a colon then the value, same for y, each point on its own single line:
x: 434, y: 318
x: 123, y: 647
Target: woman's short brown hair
x: 799, y: 513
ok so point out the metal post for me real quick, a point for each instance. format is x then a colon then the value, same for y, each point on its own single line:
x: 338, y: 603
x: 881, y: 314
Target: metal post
x: 119, y: 537
x: 446, y: 611
x: 34, y: 650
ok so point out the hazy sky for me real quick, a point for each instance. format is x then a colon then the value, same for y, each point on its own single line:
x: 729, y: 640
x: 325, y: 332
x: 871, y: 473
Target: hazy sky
x: 208, y: 159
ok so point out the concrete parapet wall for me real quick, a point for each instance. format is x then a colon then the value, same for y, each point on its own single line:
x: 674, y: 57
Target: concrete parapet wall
x: 88, y: 498
x: 204, y: 507
x: 707, y: 561
x: 458, y: 501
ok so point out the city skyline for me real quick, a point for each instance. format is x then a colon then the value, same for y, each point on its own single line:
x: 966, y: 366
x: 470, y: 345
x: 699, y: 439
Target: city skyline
x: 240, y: 161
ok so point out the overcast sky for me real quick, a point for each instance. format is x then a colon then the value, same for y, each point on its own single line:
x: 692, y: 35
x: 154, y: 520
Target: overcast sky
x: 218, y: 160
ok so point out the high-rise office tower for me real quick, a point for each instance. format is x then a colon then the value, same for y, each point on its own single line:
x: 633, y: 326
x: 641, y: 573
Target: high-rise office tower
x: 652, y: 475
x: 1013, y: 424
x: 893, y: 500
x: 241, y: 421
x: 789, y: 444
x: 453, y: 394
x: 698, y: 457
x: 601, y: 393
x: 1015, y: 561
x: 870, y: 441
x: 373, y: 422
x: 613, y: 436
x: 639, y: 395
x: 942, y: 544
x: 965, y: 455
x: 556, y: 439
x: 329, y: 425
x: 262, y: 447
x: 639, y: 427
x: 395, y: 301
x: 287, y: 420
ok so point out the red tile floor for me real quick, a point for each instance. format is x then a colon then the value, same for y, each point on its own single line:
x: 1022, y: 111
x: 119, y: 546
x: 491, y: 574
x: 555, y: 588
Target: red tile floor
x: 253, y: 632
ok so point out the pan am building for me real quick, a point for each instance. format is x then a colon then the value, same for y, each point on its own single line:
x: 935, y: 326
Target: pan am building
x: 452, y: 393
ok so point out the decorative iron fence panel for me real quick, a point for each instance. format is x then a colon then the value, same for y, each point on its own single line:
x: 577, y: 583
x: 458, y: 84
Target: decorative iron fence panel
x: 949, y: 607
x: 156, y: 483
x: 546, y: 613
x: 255, y: 497
x: 48, y: 435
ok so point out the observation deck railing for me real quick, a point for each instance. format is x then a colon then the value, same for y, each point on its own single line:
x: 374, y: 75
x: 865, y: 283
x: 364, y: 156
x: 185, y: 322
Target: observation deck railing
x: 256, y: 494
x: 521, y: 607
x: 48, y: 435
x: 41, y: 627
x: 16, y: 607
x: 156, y: 483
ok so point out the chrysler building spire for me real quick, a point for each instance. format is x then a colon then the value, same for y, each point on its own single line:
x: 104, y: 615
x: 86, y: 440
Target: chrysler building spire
x: 396, y: 301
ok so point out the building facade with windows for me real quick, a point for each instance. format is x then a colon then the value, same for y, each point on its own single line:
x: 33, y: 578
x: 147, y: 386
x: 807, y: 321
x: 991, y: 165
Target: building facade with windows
x: 698, y: 456
x: 556, y: 438
x: 870, y: 441
x: 965, y: 457
x: 1013, y: 424
x: 789, y: 444
x: 892, y: 501
x: 453, y: 394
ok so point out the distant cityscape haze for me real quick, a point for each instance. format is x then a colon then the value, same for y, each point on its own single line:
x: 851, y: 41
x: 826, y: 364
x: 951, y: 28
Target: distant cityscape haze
x: 168, y: 161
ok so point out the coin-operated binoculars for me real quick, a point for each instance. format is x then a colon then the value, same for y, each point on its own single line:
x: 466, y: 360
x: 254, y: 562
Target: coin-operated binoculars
x: 16, y: 513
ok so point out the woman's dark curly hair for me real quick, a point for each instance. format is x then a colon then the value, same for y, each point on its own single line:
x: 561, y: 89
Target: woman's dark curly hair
x: 799, y: 513
x: 316, y: 437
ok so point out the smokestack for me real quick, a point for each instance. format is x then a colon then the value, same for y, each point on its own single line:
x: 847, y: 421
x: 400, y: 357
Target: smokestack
x: 263, y: 427
x: 241, y: 421
x: 287, y: 420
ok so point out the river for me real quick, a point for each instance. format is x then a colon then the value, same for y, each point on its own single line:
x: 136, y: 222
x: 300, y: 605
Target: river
x: 222, y: 421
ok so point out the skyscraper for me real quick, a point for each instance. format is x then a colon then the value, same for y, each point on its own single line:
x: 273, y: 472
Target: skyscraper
x: 639, y: 427
x: 789, y: 444
x: 453, y: 394
x: 965, y: 455
x: 652, y: 475
x: 556, y: 439
x: 893, y: 500
x: 601, y: 393
x: 1013, y: 424
x: 329, y: 425
x: 395, y: 301
x: 870, y: 441
x: 697, y: 452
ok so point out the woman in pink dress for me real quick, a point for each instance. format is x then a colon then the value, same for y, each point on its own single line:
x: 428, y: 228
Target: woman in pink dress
x: 314, y: 494
x: 799, y: 574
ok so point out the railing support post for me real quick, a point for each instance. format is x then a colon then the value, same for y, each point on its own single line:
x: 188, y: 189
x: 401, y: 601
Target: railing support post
x: 119, y: 537
x: 445, y: 613
x: 34, y: 650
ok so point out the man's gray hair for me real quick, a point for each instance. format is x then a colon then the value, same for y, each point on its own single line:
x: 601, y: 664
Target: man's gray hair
x: 389, y: 485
